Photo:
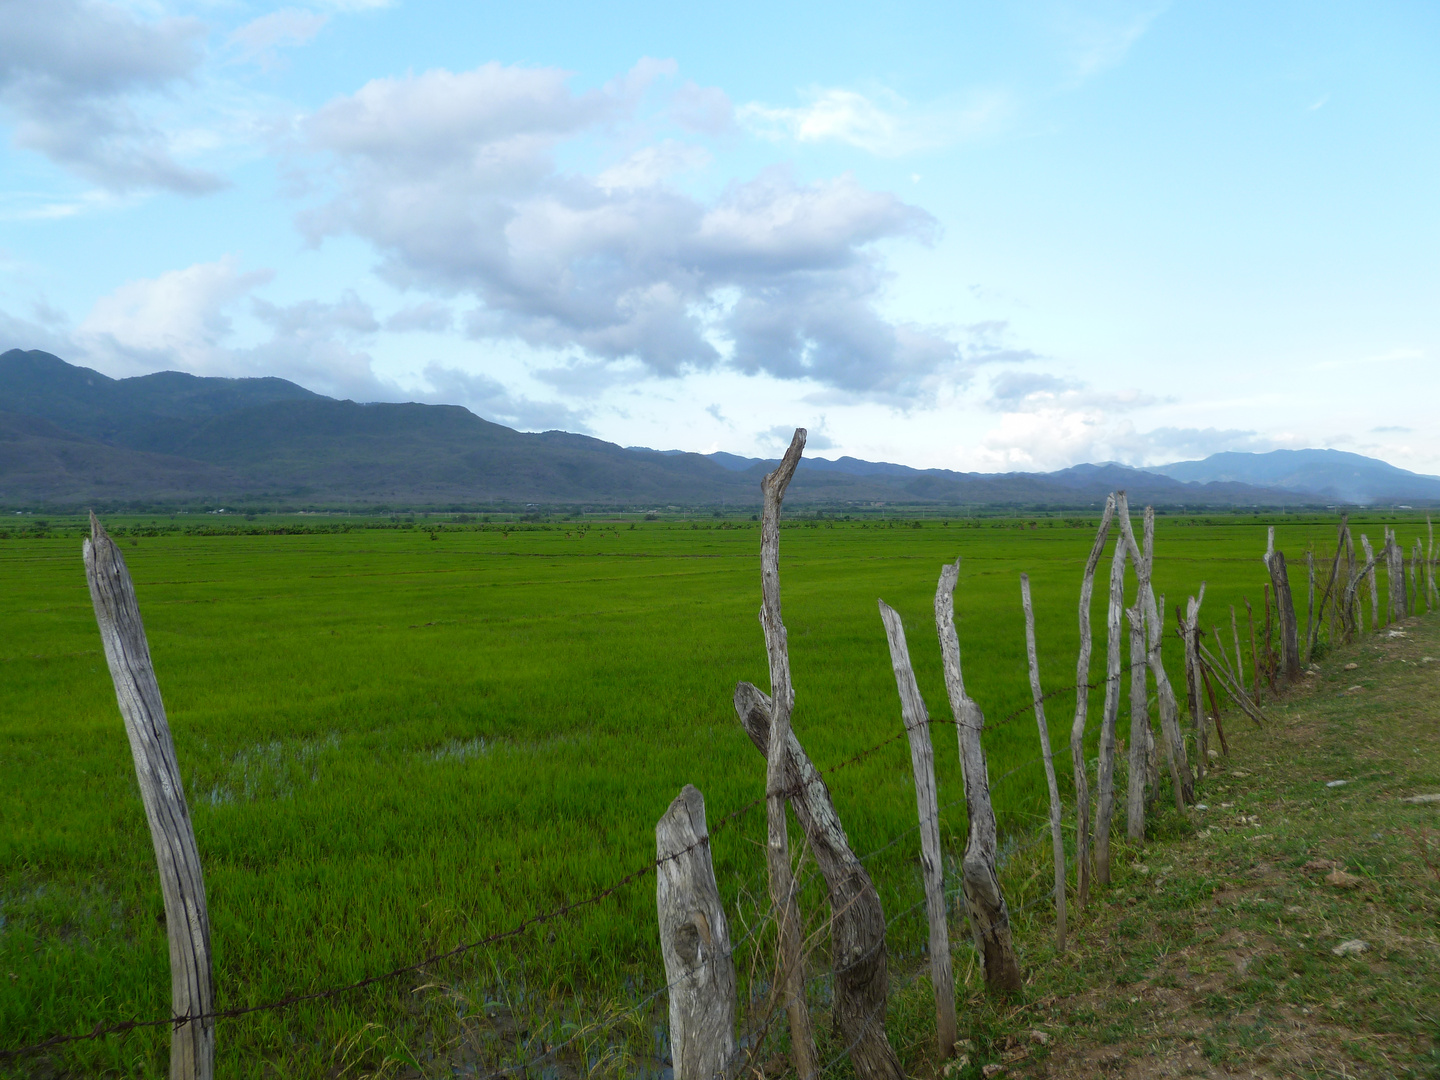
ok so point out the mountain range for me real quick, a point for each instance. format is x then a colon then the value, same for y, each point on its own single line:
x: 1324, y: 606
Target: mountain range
x: 72, y: 437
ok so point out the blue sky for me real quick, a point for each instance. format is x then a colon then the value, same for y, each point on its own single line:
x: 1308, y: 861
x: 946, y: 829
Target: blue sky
x: 976, y: 236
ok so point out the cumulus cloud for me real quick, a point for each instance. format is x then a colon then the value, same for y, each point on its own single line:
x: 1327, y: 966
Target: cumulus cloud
x: 888, y: 126
x: 427, y: 316
x: 260, y: 40
x: 453, y: 178
x: 69, y: 73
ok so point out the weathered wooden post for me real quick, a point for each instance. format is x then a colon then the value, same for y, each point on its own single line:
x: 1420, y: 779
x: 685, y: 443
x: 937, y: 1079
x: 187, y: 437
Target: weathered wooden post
x: 1416, y: 558
x: 857, y: 921
x: 984, y: 902
x: 777, y: 848
x: 1082, y: 708
x: 1139, y: 727
x: 1284, y: 611
x: 695, y: 943
x: 1057, y: 839
x: 1374, y: 587
x: 1254, y: 653
x: 1179, y: 762
x: 1310, y: 624
x: 182, y: 885
x: 1105, y: 770
x: 1239, y: 657
x: 1395, y: 575
x: 932, y: 864
x: 1190, y: 627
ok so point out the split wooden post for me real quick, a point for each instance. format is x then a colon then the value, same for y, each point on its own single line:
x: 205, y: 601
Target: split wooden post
x: 1139, y: 727
x: 1105, y: 771
x: 695, y: 943
x: 1310, y: 624
x: 1395, y: 576
x: 1284, y: 612
x: 777, y: 848
x: 1374, y: 587
x: 182, y: 884
x: 857, y: 921
x: 1082, y: 708
x: 1154, y: 629
x: 1057, y: 838
x: 984, y: 902
x: 927, y: 805
x: 1190, y: 627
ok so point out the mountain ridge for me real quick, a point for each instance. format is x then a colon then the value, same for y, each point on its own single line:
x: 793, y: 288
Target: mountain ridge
x: 70, y: 436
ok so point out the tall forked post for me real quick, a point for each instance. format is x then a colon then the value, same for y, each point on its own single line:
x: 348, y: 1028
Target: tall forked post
x: 782, y: 694
x: 182, y: 885
x: 932, y: 865
x: 1082, y: 708
x: 1057, y: 838
x: 1105, y: 770
x: 984, y: 902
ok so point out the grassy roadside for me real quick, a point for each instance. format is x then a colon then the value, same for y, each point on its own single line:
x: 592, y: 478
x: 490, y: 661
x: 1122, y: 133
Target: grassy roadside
x: 1214, y: 952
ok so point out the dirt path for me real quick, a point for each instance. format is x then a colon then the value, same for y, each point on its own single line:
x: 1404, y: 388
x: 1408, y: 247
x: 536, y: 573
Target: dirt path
x: 1220, y: 950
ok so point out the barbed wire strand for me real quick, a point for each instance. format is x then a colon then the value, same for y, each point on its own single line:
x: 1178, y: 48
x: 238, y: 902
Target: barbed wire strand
x: 125, y: 1026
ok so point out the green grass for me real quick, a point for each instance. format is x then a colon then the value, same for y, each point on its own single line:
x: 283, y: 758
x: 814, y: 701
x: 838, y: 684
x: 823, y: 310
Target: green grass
x: 394, y: 740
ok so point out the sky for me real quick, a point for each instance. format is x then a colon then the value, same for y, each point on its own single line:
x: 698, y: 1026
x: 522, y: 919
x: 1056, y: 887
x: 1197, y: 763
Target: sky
x: 998, y: 236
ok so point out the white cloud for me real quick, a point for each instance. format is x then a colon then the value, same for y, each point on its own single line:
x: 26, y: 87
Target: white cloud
x: 452, y: 177
x: 889, y: 130
x: 70, y: 74
x: 1096, y: 42
x: 260, y: 40
x: 427, y: 316
x: 491, y: 399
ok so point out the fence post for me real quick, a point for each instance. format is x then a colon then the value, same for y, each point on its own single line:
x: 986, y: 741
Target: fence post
x: 1057, y: 839
x: 1082, y: 709
x: 984, y: 902
x: 927, y: 804
x: 1374, y: 585
x: 777, y: 848
x: 1105, y: 771
x: 182, y: 884
x: 1310, y: 624
x: 857, y: 921
x: 1139, y: 728
x: 695, y: 942
x: 1176, y: 757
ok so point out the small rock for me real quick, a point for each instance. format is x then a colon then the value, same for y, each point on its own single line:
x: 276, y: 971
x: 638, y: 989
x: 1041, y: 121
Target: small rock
x: 991, y: 1070
x: 1201, y: 806
x: 1337, y: 783
x: 1238, y: 772
x: 1039, y: 1038
x: 1341, y: 880
x: 1427, y: 660
x: 1314, y: 866
x: 1216, y: 753
x: 1351, y: 948
x: 1396, y: 633
x: 1351, y: 666
x: 1422, y: 799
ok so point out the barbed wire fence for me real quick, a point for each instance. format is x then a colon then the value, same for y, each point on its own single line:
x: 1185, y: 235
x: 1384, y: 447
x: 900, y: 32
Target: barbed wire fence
x: 560, y: 912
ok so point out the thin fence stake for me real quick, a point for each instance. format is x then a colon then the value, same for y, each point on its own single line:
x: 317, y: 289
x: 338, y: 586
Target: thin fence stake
x: 984, y: 902
x: 1056, y: 836
x: 932, y: 864
x: 182, y: 884
x: 1082, y: 708
x: 1105, y: 772
x: 777, y: 850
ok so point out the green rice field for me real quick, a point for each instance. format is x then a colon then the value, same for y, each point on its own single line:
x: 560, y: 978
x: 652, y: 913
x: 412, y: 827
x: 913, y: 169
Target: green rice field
x: 398, y: 738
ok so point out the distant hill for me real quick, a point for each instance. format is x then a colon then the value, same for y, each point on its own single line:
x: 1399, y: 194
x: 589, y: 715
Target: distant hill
x: 72, y: 437
x: 1334, y: 475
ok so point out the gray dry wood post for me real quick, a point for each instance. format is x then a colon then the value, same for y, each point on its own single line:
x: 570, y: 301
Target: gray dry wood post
x: 1139, y: 725
x: 1105, y: 770
x: 857, y: 920
x: 927, y: 805
x: 1254, y: 653
x: 1374, y: 588
x: 1312, y: 628
x: 791, y: 975
x: 695, y: 943
x: 1416, y: 557
x: 1395, y: 575
x: 1057, y: 838
x: 1191, y: 631
x: 187, y: 921
x: 1239, y: 659
x: 1175, y: 755
x: 1082, y: 708
x: 1285, y: 616
x: 1310, y: 623
x: 984, y: 902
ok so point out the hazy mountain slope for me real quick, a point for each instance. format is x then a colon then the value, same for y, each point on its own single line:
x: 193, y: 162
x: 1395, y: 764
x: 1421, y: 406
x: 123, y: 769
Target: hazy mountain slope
x: 73, y: 435
x: 1336, y: 475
